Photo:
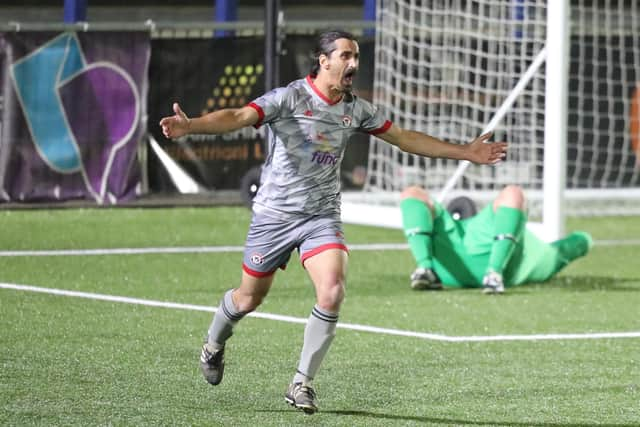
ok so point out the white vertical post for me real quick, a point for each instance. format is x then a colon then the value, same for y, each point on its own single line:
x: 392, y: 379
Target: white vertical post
x: 555, y: 127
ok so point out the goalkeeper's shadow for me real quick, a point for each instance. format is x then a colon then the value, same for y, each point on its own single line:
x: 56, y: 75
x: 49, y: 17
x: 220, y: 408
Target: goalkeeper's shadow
x: 594, y: 283
x: 453, y: 421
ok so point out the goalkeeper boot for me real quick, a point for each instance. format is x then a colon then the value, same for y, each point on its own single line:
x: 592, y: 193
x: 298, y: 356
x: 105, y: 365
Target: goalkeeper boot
x: 302, y: 396
x: 425, y: 279
x: 212, y: 364
x: 492, y: 283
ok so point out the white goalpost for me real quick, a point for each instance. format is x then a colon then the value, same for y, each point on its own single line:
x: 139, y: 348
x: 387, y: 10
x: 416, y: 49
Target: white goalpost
x: 556, y: 79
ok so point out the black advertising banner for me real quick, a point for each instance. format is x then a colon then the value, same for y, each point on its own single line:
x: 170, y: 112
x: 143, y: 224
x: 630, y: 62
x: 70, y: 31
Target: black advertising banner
x: 204, y: 75
x: 72, y: 115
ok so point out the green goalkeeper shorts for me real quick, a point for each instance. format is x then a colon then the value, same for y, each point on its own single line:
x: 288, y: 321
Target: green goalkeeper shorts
x: 461, y: 251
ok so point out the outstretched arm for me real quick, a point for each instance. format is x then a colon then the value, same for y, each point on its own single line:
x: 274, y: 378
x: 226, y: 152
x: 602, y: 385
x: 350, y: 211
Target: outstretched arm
x: 478, y: 151
x: 217, y: 122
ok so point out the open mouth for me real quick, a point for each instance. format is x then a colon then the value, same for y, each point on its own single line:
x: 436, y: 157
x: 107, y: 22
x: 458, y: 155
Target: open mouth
x: 348, y: 76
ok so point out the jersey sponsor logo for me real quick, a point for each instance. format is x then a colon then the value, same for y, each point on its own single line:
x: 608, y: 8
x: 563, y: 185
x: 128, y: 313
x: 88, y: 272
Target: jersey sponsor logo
x: 324, y: 158
x: 256, y: 259
x: 323, y: 155
x: 346, y: 121
x: 308, y: 142
x: 320, y: 137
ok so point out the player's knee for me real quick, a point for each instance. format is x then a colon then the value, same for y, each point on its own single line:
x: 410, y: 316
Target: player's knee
x: 514, y: 191
x: 247, y: 302
x: 331, y: 294
x: 415, y: 192
x: 511, y: 196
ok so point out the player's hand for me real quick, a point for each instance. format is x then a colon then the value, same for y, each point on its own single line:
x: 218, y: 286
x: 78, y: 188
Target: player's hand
x: 487, y: 153
x: 176, y: 125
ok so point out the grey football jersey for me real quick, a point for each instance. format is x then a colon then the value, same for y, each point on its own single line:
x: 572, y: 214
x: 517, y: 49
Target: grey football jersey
x: 306, y: 137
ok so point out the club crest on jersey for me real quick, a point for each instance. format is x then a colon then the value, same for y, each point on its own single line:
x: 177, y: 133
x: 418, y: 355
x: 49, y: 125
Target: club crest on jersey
x: 346, y: 121
x: 256, y: 259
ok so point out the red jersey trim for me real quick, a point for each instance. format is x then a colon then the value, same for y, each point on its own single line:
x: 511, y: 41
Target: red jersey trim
x: 382, y: 129
x: 322, y: 248
x: 320, y: 94
x: 260, y: 112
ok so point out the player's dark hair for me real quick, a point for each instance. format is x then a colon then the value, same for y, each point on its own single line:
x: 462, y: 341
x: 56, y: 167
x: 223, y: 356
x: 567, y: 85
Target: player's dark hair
x: 325, y: 44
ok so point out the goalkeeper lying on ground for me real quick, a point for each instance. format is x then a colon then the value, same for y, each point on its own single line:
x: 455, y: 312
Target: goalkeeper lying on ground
x: 492, y: 249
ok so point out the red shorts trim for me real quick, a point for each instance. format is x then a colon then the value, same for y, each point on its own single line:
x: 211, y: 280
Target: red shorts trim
x: 322, y: 248
x: 257, y: 274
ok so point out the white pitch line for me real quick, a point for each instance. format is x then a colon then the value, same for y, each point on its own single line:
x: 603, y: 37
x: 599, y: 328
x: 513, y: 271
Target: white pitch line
x: 349, y: 326
x: 229, y: 249
x: 622, y: 242
x: 123, y: 251
x: 174, y: 250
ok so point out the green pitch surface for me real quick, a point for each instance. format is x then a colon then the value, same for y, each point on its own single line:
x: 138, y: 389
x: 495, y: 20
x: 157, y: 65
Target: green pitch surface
x: 564, y: 353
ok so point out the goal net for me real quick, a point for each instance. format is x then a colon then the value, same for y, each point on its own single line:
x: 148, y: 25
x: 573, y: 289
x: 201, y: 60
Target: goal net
x: 450, y: 68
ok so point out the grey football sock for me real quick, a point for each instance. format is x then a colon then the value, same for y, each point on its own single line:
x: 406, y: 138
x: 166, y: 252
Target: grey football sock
x: 318, y: 335
x: 223, y: 321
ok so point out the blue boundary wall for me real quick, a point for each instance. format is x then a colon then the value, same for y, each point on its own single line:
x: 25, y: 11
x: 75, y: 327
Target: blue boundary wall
x: 369, y: 14
x: 75, y: 11
x: 225, y: 11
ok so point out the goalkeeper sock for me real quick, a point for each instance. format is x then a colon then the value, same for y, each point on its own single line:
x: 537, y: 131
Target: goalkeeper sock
x: 223, y: 322
x: 318, y: 335
x: 417, y: 221
x: 509, y: 225
x: 574, y: 245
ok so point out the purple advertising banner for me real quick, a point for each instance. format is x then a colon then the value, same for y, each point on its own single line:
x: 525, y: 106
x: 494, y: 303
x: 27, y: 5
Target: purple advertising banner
x: 72, y: 109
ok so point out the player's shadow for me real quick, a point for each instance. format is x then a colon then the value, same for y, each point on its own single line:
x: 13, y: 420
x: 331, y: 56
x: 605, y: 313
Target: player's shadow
x: 460, y: 422
x: 595, y: 283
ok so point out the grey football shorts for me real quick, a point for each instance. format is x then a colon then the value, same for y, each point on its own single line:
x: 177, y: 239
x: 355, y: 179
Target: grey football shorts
x: 270, y: 241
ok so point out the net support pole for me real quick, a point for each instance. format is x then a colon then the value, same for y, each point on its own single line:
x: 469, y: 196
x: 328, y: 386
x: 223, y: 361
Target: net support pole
x: 271, y: 42
x: 500, y: 113
x: 555, y: 127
